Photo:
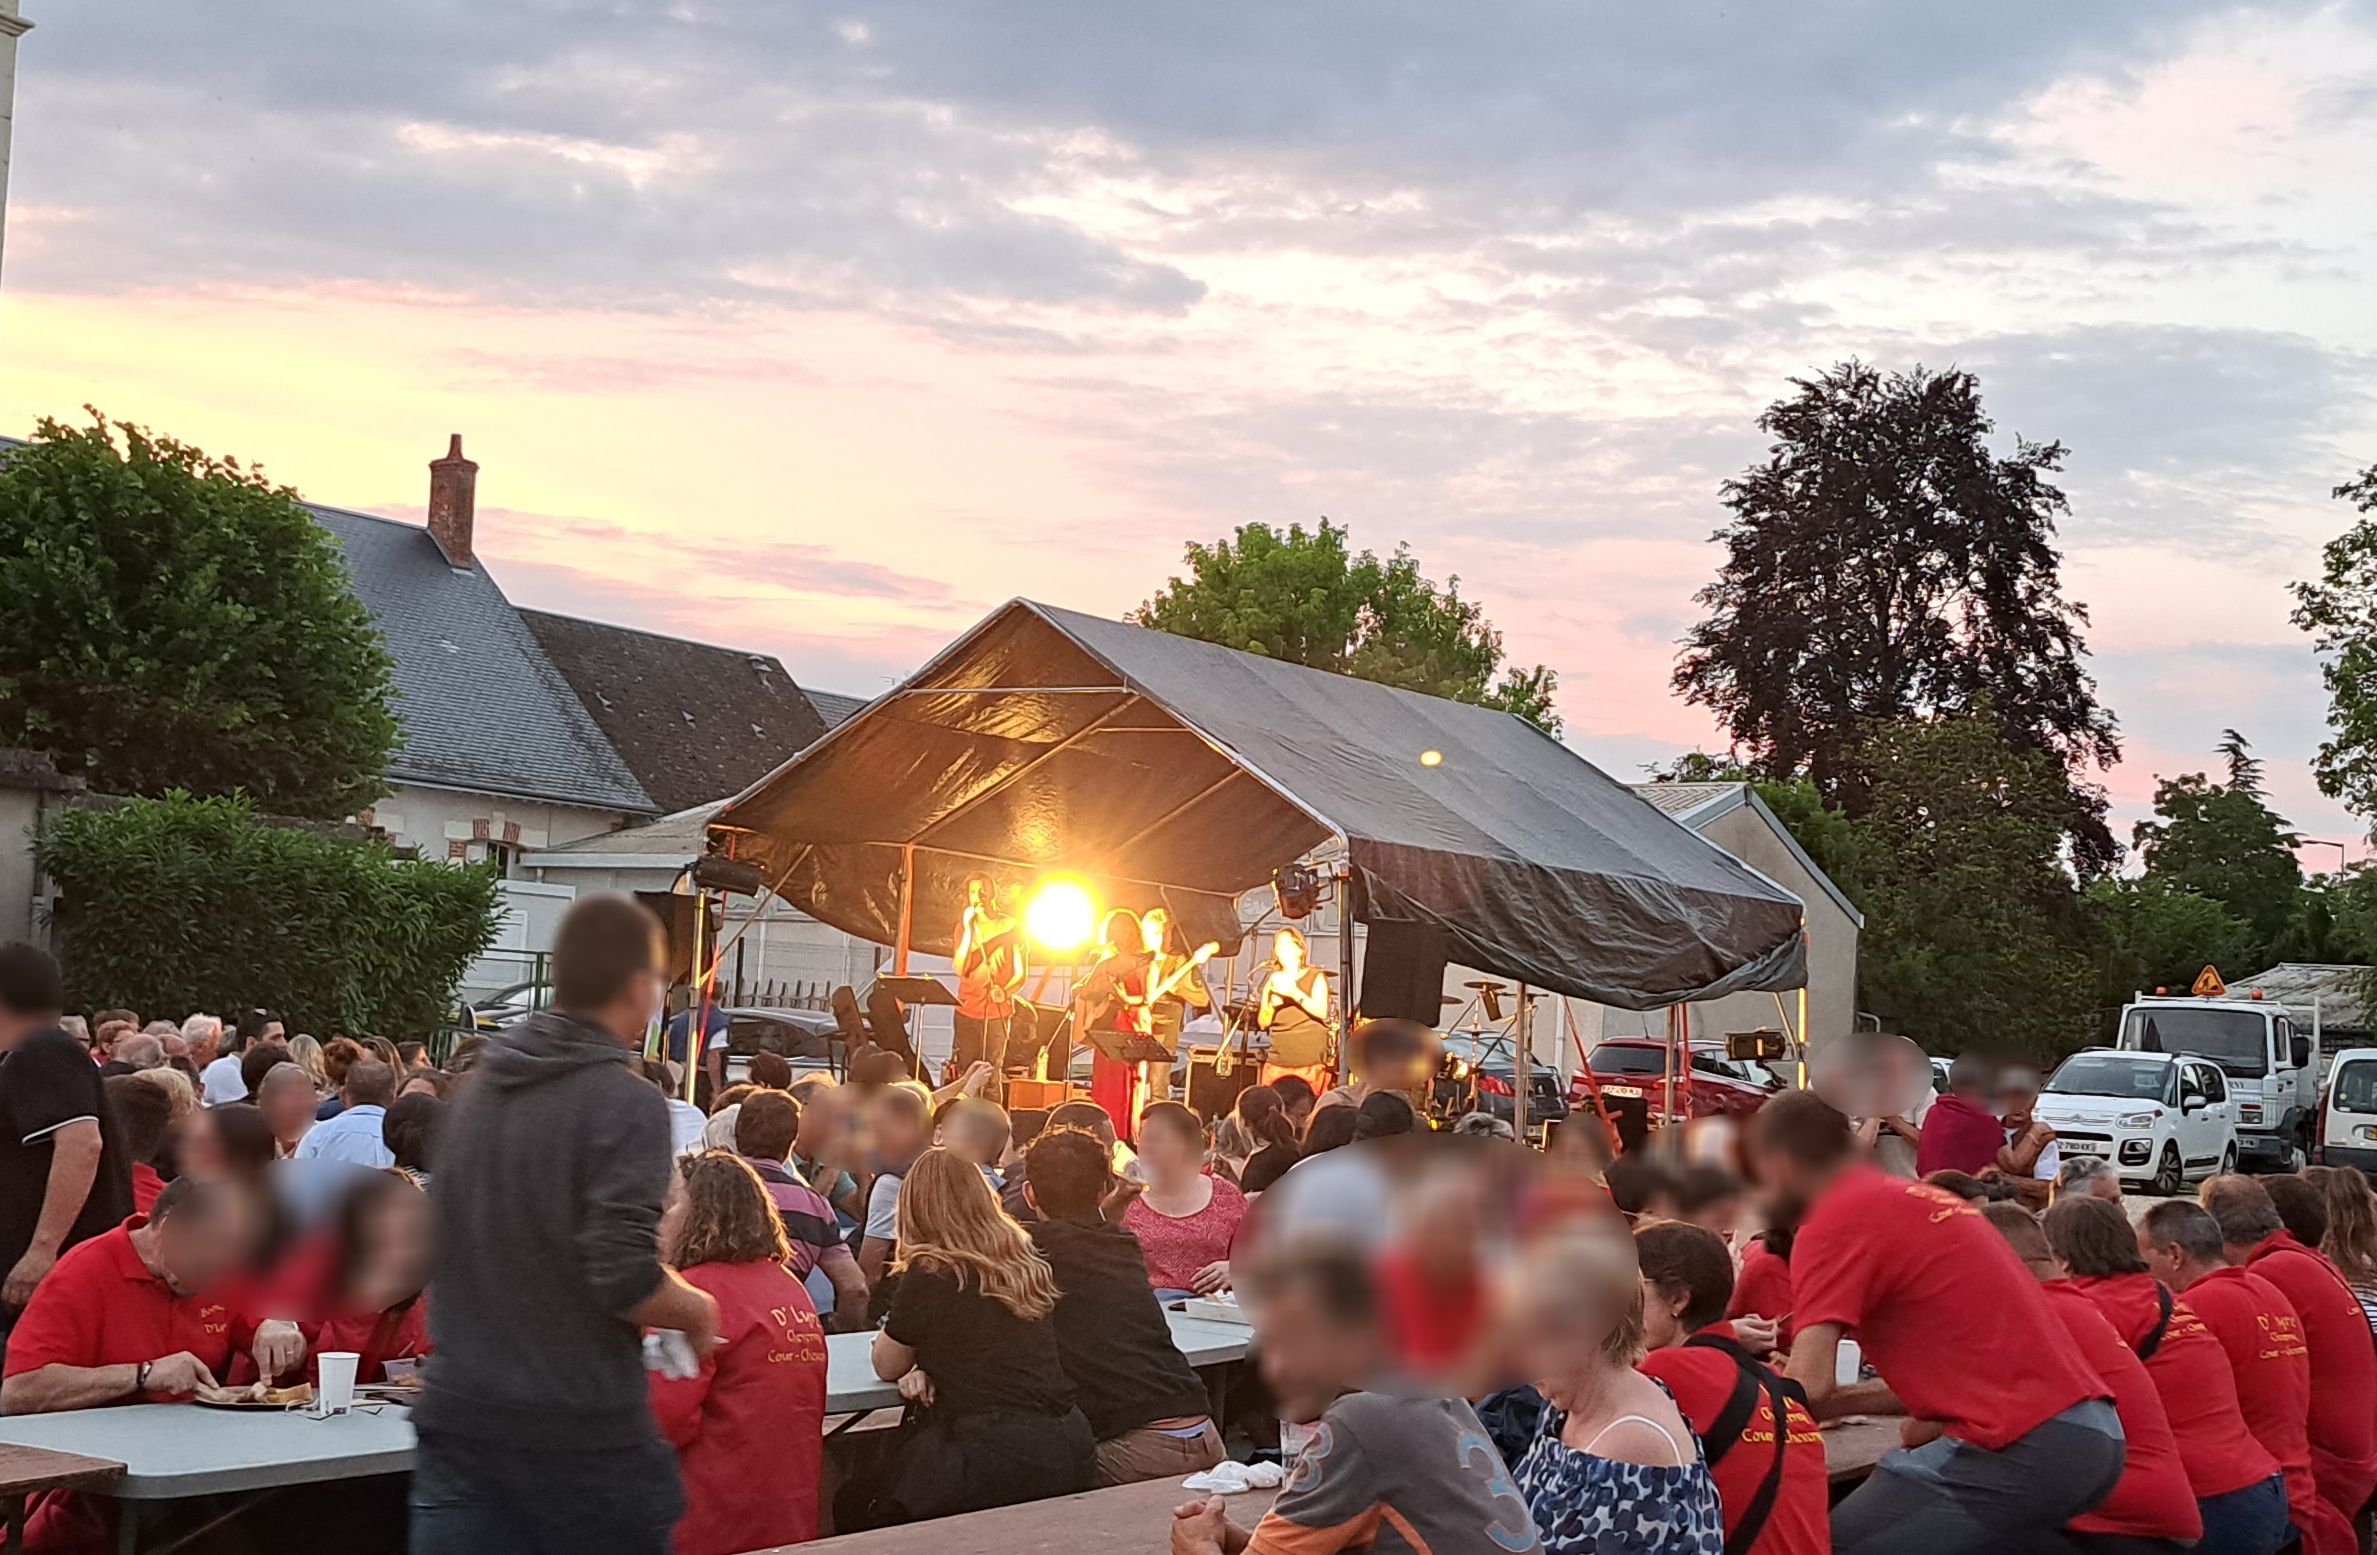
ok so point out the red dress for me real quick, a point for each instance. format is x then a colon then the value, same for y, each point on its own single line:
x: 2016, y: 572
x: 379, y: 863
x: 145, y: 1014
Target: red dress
x: 750, y: 1429
x: 1118, y: 1087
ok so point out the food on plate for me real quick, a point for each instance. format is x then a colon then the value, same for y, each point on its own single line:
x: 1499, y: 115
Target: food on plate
x: 262, y: 1395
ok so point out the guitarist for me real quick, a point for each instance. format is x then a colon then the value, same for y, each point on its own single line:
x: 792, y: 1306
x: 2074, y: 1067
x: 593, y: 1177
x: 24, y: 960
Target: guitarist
x: 1134, y: 986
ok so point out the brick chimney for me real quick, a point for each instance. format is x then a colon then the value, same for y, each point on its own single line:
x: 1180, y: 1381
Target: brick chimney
x: 453, y: 499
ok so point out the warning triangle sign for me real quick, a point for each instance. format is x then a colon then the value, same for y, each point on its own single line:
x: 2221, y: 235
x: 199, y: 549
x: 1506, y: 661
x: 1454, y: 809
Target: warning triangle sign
x: 2208, y: 984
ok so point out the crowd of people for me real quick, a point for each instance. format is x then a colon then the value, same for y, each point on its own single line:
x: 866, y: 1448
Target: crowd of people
x: 612, y: 1306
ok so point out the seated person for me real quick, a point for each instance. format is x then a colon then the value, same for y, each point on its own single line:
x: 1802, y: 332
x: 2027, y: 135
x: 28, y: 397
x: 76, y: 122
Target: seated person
x: 1417, y: 1465
x: 133, y: 1316
x: 899, y: 1129
x: 375, y: 1303
x: 766, y: 1125
x: 1145, y: 1404
x: 976, y: 1128
x: 1187, y: 1218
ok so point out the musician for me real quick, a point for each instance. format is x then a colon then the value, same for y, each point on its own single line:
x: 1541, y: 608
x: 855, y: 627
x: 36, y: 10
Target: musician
x: 1294, y: 1010
x: 1139, y: 988
x: 993, y: 957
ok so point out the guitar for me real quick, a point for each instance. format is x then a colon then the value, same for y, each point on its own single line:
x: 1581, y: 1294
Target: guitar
x: 1164, y: 987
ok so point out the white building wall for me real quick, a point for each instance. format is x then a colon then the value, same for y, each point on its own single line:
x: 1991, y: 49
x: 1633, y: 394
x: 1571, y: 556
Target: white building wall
x: 453, y: 824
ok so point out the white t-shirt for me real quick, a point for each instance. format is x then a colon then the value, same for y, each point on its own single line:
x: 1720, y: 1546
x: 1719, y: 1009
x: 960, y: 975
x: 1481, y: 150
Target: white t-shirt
x: 686, y: 1122
x: 222, y: 1082
x: 883, y: 1208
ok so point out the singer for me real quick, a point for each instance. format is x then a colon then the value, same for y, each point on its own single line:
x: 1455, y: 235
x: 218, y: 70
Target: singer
x: 1294, y: 1011
x: 992, y: 961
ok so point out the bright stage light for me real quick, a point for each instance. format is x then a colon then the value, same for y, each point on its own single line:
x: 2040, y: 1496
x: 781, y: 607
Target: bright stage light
x: 1061, y: 915
x: 1431, y: 758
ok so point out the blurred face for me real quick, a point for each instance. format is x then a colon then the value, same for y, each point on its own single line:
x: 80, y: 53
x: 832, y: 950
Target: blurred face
x: 896, y: 1137
x: 196, y: 1253
x: 2164, y: 1262
x: 1721, y: 1217
x: 2017, y: 1094
x: 1288, y: 951
x: 1151, y: 932
x: 289, y: 1106
x: 1308, y: 1357
x: 395, y: 1263
x: 200, y: 1151
x: 825, y: 1113
x: 1786, y: 1189
x: 1171, y: 1153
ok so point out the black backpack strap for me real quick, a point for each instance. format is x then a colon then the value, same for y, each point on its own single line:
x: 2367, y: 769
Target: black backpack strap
x: 1752, y: 1379
x: 2162, y: 1322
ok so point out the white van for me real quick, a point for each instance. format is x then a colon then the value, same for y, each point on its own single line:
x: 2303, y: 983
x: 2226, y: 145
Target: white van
x: 2348, y: 1112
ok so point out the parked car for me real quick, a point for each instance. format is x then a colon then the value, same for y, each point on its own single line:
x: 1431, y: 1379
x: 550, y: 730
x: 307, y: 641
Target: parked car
x: 499, y: 1009
x: 809, y: 1039
x: 1631, y: 1072
x: 2347, y: 1133
x: 1491, y: 1065
x: 2162, y: 1119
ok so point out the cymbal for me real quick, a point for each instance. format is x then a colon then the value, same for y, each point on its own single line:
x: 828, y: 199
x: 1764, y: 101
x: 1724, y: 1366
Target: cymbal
x: 1483, y: 986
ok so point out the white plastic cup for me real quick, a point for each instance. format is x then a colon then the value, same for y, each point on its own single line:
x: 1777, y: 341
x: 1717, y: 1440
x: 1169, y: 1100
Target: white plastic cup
x: 335, y: 1394
x: 1848, y: 1363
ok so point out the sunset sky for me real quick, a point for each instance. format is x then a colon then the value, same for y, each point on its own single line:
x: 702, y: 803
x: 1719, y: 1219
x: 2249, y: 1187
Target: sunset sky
x: 822, y: 329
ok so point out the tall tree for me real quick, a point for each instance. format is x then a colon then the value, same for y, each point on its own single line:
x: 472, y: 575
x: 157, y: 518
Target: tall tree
x: 1305, y: 597
x: 176, y: 621
x: 2223, y: 842
x: 2340, y: 613
x: 1883, y: 565
x: 1974, y: 934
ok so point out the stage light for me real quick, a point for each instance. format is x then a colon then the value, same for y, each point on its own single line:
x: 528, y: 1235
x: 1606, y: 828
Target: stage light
x: 1061, y: 914
x: 1431, y: 758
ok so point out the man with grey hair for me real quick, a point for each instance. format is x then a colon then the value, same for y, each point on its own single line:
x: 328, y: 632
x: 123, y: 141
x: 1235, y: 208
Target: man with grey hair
x: 137, y: 1052
x: 287, y: 1099
x: 2089, y: 1175
x: 2263, y: 1336
x: 204, y: 1034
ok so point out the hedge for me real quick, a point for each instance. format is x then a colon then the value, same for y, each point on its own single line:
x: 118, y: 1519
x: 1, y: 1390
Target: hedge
x: 178, y: 904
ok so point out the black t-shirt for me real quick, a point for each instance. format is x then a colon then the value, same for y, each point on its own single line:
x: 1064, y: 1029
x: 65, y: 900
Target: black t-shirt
x: 1266, y: 1166
x: 981, y: 1356
x: 48, y: 1082
x: 1110, y: 1331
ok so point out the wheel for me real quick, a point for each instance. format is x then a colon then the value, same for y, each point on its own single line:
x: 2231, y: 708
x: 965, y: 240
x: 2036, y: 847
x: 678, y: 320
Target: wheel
x: 2228, y: 1160
x: 2169, y: 1175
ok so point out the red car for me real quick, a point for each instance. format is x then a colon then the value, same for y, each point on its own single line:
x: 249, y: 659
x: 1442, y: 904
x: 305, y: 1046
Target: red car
x: 1631, y: 1071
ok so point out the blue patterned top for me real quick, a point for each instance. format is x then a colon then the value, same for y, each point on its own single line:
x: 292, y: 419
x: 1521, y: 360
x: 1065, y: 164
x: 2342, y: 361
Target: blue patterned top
x: 1588, y: 1505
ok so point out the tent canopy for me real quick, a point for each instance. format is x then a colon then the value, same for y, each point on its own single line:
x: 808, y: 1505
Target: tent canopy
x: 1166, y: 769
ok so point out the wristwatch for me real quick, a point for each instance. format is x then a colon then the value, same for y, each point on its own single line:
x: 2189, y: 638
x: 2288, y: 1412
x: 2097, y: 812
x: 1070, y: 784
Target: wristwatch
x: 140, y: 1376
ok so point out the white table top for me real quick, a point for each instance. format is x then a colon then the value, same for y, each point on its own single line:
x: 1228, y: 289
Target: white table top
x: 170, y: 1451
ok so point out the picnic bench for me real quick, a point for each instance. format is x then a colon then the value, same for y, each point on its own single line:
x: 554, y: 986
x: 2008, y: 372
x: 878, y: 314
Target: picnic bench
x: 27, y: 1471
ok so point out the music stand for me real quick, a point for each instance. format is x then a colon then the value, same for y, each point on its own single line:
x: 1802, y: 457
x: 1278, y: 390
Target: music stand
x: 917, y: 990
x: 1131, y: 1047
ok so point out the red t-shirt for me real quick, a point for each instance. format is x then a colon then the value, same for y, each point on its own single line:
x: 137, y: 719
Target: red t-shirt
x: 2343, y: 1412
x: 1702, y: 1381
x: 102, y: 1307
x: 1177, y: 1246
x: 2152, y: 1499
x: 750, y: 1429
x: 2192, y: 1373
x: 1959, y: 1136
x: 1431, y: 1322
x: 2264, y: 1339
x: 1947, y: 1314
x: 1763, y: 1288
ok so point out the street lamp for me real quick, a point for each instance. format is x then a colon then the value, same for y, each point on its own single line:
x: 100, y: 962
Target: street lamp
x: 2343, y: 859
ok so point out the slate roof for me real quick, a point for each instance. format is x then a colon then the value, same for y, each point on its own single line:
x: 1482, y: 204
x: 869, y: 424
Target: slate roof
x: 833, y: 708
x: 693, y: 722
x: 483, y: 707
x: 675, y: 840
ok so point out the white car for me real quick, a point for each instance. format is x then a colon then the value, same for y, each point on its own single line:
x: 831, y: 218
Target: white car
x: 2161, y: 1119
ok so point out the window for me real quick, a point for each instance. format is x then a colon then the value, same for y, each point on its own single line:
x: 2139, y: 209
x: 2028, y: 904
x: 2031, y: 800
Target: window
x: 2356, y: 1087
x: 2207, y: 1077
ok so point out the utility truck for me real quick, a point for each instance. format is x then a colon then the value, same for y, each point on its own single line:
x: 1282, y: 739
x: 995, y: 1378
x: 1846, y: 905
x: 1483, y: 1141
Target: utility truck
x: 2268, y: 1053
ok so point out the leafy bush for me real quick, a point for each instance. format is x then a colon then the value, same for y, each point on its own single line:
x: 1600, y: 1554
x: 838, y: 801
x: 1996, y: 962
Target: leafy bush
x: 179, y: 904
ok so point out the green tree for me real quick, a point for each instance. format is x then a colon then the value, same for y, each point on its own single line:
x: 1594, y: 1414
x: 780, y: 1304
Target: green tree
x: 2223, y: 842
x: 2156, y: 933
x: 1883, y: 564
x: 1306, y: 598
x: 2340, y: 613
x: 175, y: 620
x: 182, y: 903
x: 1974, y: 935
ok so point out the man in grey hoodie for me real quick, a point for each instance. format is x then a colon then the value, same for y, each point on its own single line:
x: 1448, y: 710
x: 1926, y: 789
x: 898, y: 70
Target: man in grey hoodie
x: 535, y: 1425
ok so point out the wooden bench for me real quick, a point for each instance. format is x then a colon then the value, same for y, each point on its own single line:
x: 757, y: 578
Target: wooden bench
x: 27, y: 1471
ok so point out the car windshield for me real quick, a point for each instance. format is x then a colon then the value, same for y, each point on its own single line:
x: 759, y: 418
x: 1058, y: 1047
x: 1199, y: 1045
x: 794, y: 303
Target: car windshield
x: 1473, y: 1049
x: 1614, y: 1058
x: 2356, y: 1087
x: 2236, y: 1040
x: 2109, y: 1074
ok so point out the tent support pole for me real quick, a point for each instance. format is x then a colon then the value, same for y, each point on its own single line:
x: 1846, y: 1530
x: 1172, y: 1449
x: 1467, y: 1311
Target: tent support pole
x: 899, y: 952
x: 1803, y: 1036
x: 1345, y: 971
x: 1518, y: 1095
x: 697, y: 1014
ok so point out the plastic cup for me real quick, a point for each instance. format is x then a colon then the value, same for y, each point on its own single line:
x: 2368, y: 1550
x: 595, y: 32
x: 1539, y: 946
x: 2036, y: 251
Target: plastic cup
x: 1848, y: 1363
x: 335, y: 1394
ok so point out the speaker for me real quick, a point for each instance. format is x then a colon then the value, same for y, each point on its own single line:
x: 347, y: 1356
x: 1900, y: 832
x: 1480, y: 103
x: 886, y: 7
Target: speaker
x: 1403, y: 972
x: 1212, y: 1093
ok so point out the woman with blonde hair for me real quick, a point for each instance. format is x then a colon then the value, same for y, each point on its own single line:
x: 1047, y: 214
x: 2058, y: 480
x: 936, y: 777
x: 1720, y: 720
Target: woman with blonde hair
x: 749, y: 1425
x: 2351, y: 1240
x: 970, y: 1341
x: 1614, y: 1468
x: 306, y: 1053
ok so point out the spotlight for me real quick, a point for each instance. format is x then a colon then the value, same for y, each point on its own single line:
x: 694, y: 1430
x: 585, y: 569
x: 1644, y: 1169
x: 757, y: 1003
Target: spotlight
x: 1431, y: 758
x: 1061, y: 914
x: 1298, y: 887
